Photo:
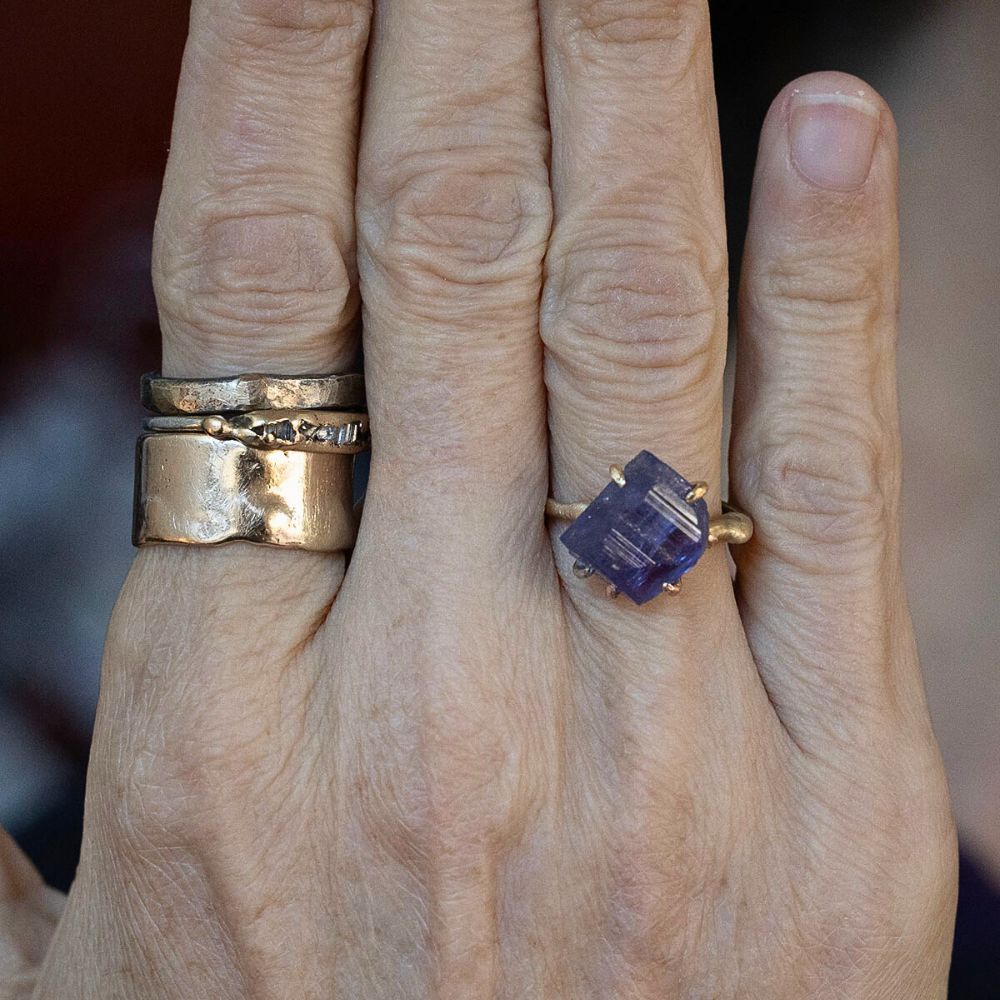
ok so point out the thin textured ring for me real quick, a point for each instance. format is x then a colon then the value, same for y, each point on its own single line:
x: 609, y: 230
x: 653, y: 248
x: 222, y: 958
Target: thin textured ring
x: 645, y: 529
x: 343, y: 432
x: 254, y: 391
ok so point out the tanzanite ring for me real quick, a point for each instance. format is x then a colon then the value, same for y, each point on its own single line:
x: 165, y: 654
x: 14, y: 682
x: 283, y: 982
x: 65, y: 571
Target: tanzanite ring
x: 645, y: 529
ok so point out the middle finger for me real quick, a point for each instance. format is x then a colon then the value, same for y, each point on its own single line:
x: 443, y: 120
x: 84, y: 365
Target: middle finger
x: 453, y: 213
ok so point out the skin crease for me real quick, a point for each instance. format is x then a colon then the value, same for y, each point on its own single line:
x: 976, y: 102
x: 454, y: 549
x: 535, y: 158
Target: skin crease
x: 450, y: 769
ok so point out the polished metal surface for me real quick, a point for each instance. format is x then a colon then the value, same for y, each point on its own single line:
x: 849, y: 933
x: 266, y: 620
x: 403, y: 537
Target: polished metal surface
x: 196, y: 489
x: 289, y: 430
x: 255, y: 391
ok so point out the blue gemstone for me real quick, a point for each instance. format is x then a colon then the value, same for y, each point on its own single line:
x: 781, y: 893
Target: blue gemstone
x: 643, y: 535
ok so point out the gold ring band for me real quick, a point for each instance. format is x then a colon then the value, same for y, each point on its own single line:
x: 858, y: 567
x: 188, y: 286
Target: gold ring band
x: 197, y: 489
x: 254, y: 391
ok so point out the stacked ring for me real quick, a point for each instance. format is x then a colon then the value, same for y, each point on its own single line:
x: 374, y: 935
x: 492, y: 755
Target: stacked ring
x: 257, y: 458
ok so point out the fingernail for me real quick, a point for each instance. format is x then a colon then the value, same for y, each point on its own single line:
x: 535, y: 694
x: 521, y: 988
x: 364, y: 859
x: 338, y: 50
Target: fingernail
x: 833, y: 139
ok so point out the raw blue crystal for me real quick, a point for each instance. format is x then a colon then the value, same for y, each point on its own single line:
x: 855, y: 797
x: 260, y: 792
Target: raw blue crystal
x: 644, y: 535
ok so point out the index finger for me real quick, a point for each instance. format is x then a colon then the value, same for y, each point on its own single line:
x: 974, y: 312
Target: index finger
x: 254, y: 254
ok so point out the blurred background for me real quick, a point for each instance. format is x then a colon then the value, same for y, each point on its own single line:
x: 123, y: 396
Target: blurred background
x: 86, y: 120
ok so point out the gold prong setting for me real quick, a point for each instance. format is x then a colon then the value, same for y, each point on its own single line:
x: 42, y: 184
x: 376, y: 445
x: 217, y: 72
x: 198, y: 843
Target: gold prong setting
x: 645, y: 530
x: 697, y: 492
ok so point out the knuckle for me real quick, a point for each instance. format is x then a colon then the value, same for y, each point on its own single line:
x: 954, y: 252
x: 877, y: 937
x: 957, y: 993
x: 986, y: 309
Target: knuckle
x: 323, y: 27
x: 822, y: 293
x: 448, y: 784
x: 641, y: 311
x: 237, y: 275
x: 652, y: 872
x: 161, y: 800
x: 165, y: 794
x: 589, y: 28
x: 453, y: 796
x: 841, y: 945
x: 914, y: 808
x: 192, y: 786
x: 435, y: 228
x: 822, y: 480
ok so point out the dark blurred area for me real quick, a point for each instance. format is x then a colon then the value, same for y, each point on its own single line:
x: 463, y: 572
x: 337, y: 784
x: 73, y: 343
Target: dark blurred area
x: 86, y: 124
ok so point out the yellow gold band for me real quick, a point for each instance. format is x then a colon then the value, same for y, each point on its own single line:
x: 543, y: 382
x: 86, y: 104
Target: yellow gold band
x: 196, y: 489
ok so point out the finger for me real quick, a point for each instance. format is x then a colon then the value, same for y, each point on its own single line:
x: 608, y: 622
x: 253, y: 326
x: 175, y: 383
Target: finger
x: 254, y: 255
x: 254, y: 263
x: 254, y: 270
x: 815, y: 449
x: 453, y: 217
x: 29, y: 911
x: 211, y: 685
x: 633, y: 312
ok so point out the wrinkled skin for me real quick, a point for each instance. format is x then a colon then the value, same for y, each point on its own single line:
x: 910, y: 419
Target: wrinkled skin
x: 454, y: 770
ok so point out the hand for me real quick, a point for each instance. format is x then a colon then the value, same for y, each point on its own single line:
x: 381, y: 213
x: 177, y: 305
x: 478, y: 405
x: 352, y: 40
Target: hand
x: 455, y: 770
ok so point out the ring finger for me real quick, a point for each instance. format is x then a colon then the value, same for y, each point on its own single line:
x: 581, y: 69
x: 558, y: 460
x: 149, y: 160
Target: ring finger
x: 633, y: 310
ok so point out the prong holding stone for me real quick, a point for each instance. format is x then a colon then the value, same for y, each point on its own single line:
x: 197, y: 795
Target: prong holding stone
x: 672, y: 588
x: 617, y: 475
x: 641, y: 534
x: 697, y: 491
x: 612, y: 591
x: 581, y: 570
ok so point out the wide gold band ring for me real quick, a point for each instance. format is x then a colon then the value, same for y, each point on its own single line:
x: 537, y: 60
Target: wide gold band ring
x: 197, y: 489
